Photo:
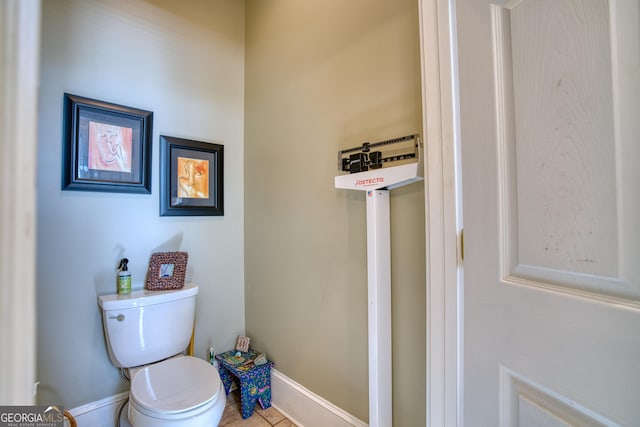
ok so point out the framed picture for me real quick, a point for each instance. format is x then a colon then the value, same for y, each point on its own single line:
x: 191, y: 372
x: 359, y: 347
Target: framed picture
x: 242, y: 343
x: 166, y: 271
x: 107, y: 147
x: 191, y: 174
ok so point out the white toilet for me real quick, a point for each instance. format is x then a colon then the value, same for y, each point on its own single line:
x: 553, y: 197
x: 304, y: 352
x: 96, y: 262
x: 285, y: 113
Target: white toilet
x: 147, y: 332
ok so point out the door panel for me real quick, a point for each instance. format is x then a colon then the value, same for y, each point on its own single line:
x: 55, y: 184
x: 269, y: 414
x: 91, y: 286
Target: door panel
x: 549, y: 96
x: 556, y: 128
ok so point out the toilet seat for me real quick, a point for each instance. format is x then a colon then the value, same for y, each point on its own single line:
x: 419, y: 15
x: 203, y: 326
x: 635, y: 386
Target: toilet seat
x: 175, y: 388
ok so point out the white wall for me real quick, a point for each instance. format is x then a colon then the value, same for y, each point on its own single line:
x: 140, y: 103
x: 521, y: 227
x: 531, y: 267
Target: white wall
x: 186, y: 64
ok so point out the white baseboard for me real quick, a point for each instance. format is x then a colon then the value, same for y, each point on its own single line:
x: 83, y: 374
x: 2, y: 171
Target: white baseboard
x: 101, y: 413
x: 306, y: 408
x: 300, y: 405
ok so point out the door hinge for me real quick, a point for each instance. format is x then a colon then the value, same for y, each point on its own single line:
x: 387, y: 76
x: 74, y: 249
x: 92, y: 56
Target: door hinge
x: 462, y: 245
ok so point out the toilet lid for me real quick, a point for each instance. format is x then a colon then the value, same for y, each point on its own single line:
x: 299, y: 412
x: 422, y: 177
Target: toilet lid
x: 175, y: 385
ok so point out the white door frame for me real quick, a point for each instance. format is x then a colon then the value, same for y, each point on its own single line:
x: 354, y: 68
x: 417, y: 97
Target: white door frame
x: 19, y: 77
x: 443, y: 221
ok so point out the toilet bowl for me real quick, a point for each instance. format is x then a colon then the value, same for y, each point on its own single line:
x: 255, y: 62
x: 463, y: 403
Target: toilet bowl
x: 182, y: 391
x: 178, y: 392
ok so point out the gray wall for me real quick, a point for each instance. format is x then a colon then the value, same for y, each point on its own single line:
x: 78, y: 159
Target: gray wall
x: 186, y: 64
x: 321, y: 76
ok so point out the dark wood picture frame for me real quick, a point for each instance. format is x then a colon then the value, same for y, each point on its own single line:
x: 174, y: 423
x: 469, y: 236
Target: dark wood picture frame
x: 106, y: 147
x: 191, y: 177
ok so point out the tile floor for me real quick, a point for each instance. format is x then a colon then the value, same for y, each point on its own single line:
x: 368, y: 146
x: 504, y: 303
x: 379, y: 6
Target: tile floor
x: 260, y: 418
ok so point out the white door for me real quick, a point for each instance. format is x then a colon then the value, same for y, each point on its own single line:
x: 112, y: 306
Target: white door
x: 19, y: 79
x: 549, y: 122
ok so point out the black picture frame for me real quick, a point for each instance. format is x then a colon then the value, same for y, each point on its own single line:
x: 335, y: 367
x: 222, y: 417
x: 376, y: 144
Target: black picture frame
x: 106, y: 147
x: 191, y: 177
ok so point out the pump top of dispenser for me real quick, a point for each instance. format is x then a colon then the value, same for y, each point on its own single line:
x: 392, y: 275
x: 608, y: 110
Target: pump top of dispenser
x: 123, y: 265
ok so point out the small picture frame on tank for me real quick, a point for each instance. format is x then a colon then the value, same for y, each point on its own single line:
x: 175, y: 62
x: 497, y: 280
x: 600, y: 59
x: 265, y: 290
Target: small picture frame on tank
x: 166, y: 271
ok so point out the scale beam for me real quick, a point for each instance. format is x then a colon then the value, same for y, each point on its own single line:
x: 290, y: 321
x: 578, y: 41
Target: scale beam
x: 368, y: 177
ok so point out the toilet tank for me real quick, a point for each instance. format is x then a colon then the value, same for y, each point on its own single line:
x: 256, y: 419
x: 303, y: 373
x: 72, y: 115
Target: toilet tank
x: 147, y: 326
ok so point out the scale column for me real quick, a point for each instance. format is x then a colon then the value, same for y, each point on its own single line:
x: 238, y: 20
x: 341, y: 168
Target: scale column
x: 379, y: 307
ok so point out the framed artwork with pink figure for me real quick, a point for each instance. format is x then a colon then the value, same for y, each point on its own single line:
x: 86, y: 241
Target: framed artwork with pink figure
x: 107, y: 147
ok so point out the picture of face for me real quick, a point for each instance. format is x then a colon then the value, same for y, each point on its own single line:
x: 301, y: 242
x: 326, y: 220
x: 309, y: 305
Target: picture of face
x: 193, y: 178
x: 109, y: 147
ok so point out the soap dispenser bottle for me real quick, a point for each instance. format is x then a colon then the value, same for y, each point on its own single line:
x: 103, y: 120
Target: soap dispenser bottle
x: 124, y: 278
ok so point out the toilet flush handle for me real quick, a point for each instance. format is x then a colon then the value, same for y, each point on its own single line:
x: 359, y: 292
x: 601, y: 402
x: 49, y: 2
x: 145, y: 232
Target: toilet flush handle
x: 119, y: 317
